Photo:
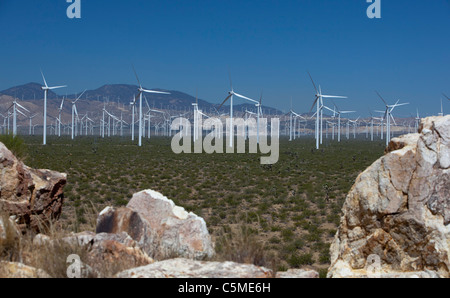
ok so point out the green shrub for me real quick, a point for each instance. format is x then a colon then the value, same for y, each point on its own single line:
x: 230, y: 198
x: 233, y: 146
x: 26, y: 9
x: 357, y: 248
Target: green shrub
x: 15, y: 144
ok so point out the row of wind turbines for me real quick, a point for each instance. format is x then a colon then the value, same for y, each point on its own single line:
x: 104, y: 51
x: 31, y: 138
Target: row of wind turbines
x: 318, y: 102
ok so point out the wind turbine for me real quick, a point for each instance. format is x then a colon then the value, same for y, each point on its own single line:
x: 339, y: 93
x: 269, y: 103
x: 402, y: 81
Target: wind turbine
x: 74, y: 111
x: 442, y: 109
x: 16, y: 109
x: 141, y: 90
x: 231, y: 93
x: 388, y: 116
x: 59, y: 117
x: 319, y: 108
x: 149, y: 115
x: 46, y: 88
x: 417, y: 122
x: 31, y: 124
x: 259, y: 114
x: 339, y: 112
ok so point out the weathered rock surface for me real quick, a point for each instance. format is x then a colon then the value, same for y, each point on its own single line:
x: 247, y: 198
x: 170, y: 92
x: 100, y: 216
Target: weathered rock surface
x: 8, y: 230
x: 104, y: 252
x: 162, y: 229
x: 34, y: 196
x: 187, y: 268
x: 19, y: 270
x: 398, y: 210
x: 297, y: 273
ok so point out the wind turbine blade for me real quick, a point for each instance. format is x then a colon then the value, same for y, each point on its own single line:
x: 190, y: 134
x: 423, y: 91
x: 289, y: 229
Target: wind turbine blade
x: 392, y: 118
x: 346, y: 112
x: 146, y: 102
x: 228, y: 97
x: 62, y: 103
x: 328, y: 109
x: 244, y: 97
x: 45, y: 82
x: 314, y: 103
x: 333, y: 96
x: 446, y: 96
x: 22, y: 107
x: 153, y: 91
x: 313, y: 82
x: 381, y: 98
x: 20, y: 112
x: 80, y: 95
x: 137, y: 78
x: 56, y: 87
x: 75, y: 110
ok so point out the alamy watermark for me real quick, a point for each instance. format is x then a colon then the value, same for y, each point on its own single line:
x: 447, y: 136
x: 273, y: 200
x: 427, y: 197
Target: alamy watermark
x: 74, y: 9
x: 251, y: 130
x: 374, y: 9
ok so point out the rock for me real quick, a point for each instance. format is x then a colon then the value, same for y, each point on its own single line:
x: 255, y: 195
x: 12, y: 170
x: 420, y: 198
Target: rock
x: 105, y: 253
x: 19, y: 270
x: 113, y: 252
x: 9, y: 232
x: 34, y: 196
x: 297, y: 273
x: 397, y: 212
x: 160, y: 228
x: 187, y: 268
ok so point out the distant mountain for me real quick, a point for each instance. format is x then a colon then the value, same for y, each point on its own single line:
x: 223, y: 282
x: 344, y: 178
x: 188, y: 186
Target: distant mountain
x: 30, y: 91
x: 123, y: 94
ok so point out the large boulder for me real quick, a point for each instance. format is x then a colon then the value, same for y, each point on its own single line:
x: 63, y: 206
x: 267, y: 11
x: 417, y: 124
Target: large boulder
x: 396, y: 217
x: 162, y: 229
x: 34, y: 196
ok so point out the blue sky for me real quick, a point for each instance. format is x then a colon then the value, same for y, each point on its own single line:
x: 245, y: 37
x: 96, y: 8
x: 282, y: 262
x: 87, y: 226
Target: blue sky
x: 268, y: 46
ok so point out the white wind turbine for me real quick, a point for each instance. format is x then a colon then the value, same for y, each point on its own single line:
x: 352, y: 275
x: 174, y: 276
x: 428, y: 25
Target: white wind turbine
x: 74, y: 111
x: 46, y: 88
x: 141, y: 90
x: 16, y: 109
x: 231, y: 93
x: 442, y: 109
x: 319, y: 110
x: 339, y: 112
x: 388, y: 116
x: 372, y: 118
x: 133, y: 110
x: 417, y: 121
x: 259, y: 114
x: 149, y: 115
x: 31, y: 124
x: 59, y: 116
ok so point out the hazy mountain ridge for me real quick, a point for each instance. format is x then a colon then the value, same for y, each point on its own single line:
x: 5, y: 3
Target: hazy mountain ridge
x: 119, y: 94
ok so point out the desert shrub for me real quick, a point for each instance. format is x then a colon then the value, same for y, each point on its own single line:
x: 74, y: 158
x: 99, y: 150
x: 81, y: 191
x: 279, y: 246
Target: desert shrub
x: 15, y: 144
x: 242, y: 246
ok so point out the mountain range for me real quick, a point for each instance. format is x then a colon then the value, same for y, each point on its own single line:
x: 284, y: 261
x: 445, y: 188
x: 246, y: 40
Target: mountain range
x: 123, y: 94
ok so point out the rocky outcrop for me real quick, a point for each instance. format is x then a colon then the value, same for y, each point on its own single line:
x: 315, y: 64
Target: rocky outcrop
x: 162, y: 229
x: 396, y: 217
x: 34, y: 196
x: 297, y: 273
x: 19, y: 270
x: 187, y: 268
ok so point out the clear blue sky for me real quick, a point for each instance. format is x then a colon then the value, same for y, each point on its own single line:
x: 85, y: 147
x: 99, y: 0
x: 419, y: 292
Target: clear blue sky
x: 267, y: 45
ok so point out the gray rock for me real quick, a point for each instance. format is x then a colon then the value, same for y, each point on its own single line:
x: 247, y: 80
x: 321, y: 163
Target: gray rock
x: 397, y: 212
x: 187, y: 268
x: 162, y: 229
